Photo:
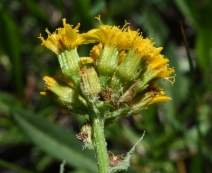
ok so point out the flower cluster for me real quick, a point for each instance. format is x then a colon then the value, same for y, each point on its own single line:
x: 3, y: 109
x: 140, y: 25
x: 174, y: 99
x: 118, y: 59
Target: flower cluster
x: 119, y: 78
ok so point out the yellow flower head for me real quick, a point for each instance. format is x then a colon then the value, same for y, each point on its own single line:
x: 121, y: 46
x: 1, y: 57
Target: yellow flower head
x: 112, y: 35
x: 159, y: 64
x: 63, y: 38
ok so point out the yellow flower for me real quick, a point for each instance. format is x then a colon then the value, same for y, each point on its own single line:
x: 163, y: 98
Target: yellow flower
x: 158, y: 96
x: 151, y: 58
x: 159, y: 64
x: 63, y: 38
x: 112, y: 35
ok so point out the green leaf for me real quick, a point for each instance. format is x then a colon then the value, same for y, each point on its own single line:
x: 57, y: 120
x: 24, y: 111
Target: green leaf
x: 97, y: 8
x: 35, y: 9
x: 203, y: 49
x: 126, y: 162
x: 55, y: 140
x: 13, y: 167
x: 5, y: 103
x: 10, y: 37
x: 155, y: 27
x: 186, y: 8
x: 199, y: 17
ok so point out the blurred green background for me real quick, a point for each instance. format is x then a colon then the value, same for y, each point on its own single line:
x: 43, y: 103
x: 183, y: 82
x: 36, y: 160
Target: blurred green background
x: 35, y: 137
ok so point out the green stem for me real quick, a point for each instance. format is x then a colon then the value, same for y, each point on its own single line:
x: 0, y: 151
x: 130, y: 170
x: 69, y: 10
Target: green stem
x: 100, y: 146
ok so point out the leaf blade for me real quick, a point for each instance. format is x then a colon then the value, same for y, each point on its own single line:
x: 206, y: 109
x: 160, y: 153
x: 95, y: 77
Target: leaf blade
x: 126, y: 162
x: 54, y: 140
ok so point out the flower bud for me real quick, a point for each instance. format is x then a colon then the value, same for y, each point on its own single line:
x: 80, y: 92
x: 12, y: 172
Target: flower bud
x: 66, y: 96
x: 153, y: 96
x: 90, y: 85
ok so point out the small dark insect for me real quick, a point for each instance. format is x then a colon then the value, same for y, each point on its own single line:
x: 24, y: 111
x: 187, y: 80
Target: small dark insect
x: 114, y: 160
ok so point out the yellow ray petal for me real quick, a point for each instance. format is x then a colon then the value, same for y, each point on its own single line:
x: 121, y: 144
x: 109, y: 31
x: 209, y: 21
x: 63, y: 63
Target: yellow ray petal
x: 160, y: 99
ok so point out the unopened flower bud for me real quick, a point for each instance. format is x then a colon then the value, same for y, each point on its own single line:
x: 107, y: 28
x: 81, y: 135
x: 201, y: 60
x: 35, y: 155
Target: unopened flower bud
x: 90, y: 85
x: 65, y: 95
x: 153, y: 96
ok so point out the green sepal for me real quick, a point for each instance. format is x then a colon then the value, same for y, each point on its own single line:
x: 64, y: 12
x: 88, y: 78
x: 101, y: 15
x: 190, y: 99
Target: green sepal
x: 130, y: 67
x: 90, y: 85
x: 103, y: 80
x: 115, y: 83
x: 107, y: 63
x: 124, y: 164
x: 69, y: 64
x: 145, y: 78
x: 141, y: 102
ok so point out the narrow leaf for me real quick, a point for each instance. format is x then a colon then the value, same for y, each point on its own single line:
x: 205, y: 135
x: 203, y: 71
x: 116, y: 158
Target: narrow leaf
x: 10, y: 166
x: 10, y: 38
x: 55, y: 140
x: 126, y: 162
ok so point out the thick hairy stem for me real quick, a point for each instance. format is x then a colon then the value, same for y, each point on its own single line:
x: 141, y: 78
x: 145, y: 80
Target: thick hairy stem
x: 100, y: 146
